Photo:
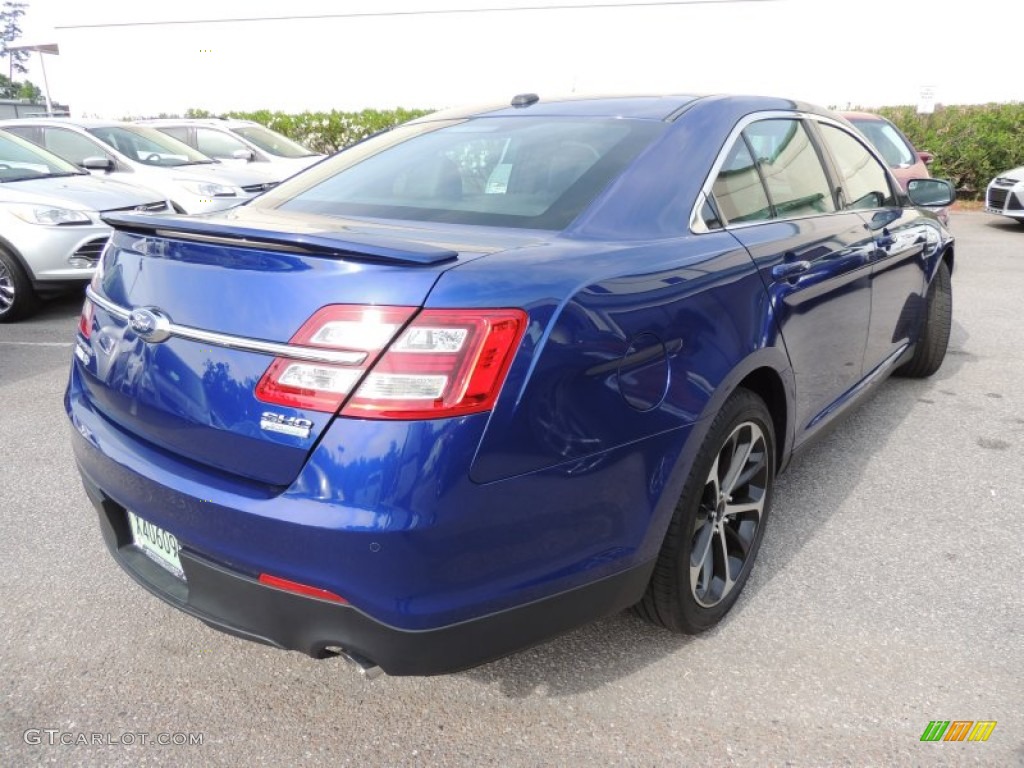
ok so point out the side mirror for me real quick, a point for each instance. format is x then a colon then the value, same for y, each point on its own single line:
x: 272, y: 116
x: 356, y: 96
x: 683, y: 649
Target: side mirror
x: 931, y: 193
x: 926, y: 157
x: 244, y: 154
x: 98, y: 164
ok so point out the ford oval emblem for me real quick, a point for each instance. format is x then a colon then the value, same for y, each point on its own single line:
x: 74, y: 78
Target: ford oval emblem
x: 149, y: 325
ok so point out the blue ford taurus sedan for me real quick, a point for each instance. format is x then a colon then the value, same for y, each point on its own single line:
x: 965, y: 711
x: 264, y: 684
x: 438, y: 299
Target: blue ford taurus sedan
x: 497, y: 373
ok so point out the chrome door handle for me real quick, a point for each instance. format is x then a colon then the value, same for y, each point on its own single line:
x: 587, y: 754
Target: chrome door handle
x: 790, y: 269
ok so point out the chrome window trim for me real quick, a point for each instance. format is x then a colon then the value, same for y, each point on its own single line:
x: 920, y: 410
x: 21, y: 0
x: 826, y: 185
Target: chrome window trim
x: 275, y: 349
x: 697, y: 225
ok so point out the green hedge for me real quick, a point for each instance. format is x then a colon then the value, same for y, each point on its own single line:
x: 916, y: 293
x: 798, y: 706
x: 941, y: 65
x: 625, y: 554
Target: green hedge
x: 972, y: 144
x: 326, y: 131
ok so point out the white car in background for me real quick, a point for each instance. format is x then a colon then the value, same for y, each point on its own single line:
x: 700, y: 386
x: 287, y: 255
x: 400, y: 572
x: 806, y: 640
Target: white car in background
x: 194, y: 182
x: 1005, y: 194
x: 240, y: 141
x: 51, y: 233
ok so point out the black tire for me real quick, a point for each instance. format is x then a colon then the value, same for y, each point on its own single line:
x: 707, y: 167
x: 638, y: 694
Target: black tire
x: 17, y: 299
x: 689, y: 598
x: 930, y: 350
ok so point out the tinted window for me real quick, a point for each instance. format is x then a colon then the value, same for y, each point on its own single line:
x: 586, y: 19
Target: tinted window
x: 26, y: 132
x: 148, y: 145
x: 796, y: 181
x: 217, y: 144
x: 271, y: 142
x: 515, y: 172
x: 888, y: 141
x: 20, y: 159
x: 175, y: 132
x: 70, y: 145
x: 865, y: 181
x: 738, y: 190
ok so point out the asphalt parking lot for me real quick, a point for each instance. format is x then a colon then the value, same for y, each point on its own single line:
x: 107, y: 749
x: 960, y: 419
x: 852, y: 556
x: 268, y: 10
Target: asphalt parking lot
x: 888, y: 593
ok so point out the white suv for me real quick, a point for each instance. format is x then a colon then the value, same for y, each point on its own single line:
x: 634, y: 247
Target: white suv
x: 194, y: 182
x: 241, y: 141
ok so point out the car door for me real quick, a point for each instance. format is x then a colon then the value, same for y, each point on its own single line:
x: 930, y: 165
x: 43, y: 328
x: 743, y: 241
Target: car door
x: 901, y: 241
x: 776, y: 198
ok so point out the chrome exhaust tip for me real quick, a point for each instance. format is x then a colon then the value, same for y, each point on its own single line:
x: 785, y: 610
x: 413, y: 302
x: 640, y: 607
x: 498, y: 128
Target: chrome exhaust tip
x: 366, y: 668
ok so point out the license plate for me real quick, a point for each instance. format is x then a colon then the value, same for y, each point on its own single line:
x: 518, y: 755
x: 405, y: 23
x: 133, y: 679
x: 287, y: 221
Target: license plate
x: 160, y: 546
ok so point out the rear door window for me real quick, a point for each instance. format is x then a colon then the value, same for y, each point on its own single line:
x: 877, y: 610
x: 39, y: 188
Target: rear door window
x: 179, y: 132
x: 792, y: 171
x: 738, y: 190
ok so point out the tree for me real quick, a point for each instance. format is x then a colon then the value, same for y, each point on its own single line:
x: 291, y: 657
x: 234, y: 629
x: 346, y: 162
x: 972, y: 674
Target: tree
x: 29, y: 91
x: 10, y: 30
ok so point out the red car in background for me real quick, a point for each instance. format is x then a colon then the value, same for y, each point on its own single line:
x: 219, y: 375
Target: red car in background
x: 899, y: 154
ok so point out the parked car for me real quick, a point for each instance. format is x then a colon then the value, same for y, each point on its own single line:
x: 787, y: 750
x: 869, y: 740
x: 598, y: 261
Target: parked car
x: 194, y: 182
x: 494, y: 374
x: 51, y: 234
x: 899, y: 153
x: 239, y: 141
x: 1005, y: 194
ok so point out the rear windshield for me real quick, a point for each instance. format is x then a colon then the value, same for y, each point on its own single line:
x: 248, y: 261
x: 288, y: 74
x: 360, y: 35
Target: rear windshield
x: 536, y: 173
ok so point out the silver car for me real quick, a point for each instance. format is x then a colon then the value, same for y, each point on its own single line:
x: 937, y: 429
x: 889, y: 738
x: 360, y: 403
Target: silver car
x: 51, y: 234
x: 1005, y: 194
x: 239, y: 141
x: 136, y: 154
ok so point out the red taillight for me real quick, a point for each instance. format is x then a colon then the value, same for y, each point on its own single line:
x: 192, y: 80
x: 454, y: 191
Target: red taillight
x: 324, y: 386
x: 85, y: 321
x: 300, y: 589
x: 445, y: 363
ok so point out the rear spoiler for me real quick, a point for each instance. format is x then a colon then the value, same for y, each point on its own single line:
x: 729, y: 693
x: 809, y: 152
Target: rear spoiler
x: 340, y: 244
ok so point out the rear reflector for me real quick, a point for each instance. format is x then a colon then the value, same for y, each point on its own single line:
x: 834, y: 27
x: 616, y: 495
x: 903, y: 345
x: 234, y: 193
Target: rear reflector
x: 85, y: 321
x: 300, y: 589
x: 445, y: 362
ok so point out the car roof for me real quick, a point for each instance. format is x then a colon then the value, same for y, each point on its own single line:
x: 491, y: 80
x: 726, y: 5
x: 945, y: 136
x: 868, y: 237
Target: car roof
x: 863, y: 116
x: 649, y: 107
x: 214, y: 122
x: 75, y: 122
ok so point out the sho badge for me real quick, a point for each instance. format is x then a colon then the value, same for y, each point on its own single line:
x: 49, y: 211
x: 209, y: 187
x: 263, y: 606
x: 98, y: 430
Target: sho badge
x: 286, y: 425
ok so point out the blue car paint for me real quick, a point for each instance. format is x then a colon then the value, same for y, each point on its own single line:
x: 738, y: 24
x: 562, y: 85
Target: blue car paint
x: 407, y: 537
x: 638, y: 332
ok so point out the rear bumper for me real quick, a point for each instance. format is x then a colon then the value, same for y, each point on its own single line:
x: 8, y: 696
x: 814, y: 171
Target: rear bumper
x: 239, y: 605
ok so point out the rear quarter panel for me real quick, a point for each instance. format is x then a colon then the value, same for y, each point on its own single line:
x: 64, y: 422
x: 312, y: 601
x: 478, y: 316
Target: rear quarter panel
x: 624, y: 342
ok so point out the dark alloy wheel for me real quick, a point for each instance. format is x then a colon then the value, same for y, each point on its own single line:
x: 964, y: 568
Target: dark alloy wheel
x: 730, y: 513
x: 718, y: 524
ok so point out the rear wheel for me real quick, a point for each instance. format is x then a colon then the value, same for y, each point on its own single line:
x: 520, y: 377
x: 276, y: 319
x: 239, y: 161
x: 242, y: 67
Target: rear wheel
x: 930, y: 350
x: 719, y: 522
x: 17, y: 299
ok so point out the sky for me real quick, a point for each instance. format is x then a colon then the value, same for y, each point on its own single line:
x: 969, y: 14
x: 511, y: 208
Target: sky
x: 126, y: 58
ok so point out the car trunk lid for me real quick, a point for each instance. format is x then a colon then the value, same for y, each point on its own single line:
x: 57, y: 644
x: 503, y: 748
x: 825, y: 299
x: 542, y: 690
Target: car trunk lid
x: 189, y: 313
